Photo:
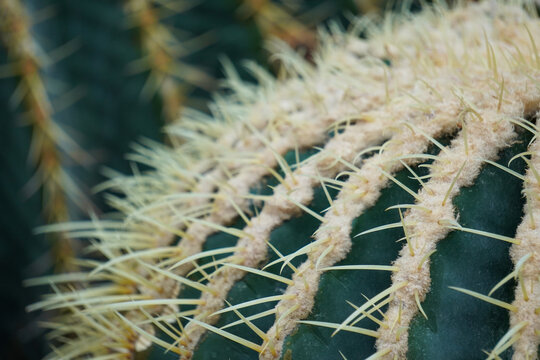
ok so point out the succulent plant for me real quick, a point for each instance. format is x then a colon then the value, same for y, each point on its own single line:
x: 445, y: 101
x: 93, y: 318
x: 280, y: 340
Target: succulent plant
x: 379, y: 203
x: 61, y: 63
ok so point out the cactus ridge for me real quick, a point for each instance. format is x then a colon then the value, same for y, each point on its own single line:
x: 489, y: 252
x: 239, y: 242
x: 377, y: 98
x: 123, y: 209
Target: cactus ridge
x: 169, y: 77
x: 252, y: 248
x: 434, y: 218
x: 50, y: 143
x: 524, y: 319
x: 474, y: 69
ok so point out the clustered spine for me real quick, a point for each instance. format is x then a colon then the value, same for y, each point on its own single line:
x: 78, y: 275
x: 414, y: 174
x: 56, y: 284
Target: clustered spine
x: 275, y: 21
x: 162, y: 50
x: 474, y: 69
x: 49, y: 143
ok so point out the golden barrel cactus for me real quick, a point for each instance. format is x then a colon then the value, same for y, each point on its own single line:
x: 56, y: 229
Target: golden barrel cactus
x: 381, y: 202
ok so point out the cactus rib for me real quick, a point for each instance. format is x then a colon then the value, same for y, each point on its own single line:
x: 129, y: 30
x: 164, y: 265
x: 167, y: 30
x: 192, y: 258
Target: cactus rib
x: 360, y: 192
x: 277, y: 209
x: 431, y: 222
x: 527, y: 301
x: 49, y: 141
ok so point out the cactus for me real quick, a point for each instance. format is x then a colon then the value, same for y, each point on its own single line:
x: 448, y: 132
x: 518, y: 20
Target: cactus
x: 49, y: 141
x: 404, y: 235
x: 87, y: 53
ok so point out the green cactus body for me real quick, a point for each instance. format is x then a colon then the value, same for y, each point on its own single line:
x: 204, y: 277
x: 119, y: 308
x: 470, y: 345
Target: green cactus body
x: 403, y: 235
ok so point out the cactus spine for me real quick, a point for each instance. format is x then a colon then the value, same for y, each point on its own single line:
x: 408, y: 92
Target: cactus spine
x: 168, y: 76
x: 49, y: 141
x: 473, y: 70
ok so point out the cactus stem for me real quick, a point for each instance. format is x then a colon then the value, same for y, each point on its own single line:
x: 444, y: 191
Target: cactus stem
x: 432, y: 230
x: 337, y: 235
x: 49, y: 142
x: 526, y: 268
x: 366, y: 134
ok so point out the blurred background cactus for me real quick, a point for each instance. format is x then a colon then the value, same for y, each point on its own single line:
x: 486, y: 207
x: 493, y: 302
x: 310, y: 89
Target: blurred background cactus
x: 82, y: 80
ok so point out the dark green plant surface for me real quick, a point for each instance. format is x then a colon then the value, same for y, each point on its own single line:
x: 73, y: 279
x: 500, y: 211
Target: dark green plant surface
x: 287, y: 238
x: 253, y: 286
x: 462, y: 259
x: 20, y: 250
x: 473, y: 262
x: 458, y: 325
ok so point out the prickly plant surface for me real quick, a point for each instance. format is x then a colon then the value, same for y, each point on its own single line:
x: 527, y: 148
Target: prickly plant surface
x: 264, y: 235
x: 49, y: 141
